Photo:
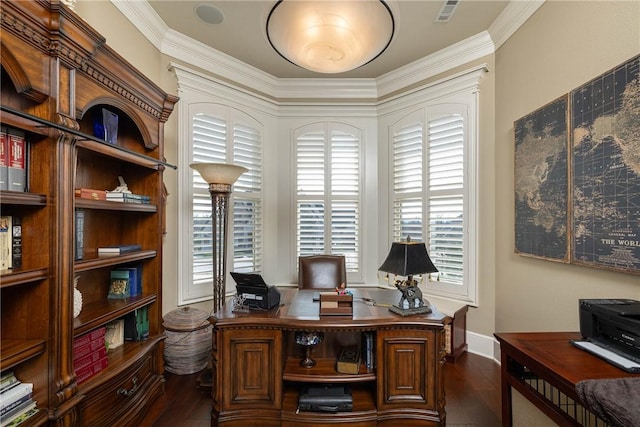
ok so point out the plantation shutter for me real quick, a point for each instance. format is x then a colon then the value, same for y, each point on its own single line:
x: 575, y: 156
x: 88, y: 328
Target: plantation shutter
x: 247, y: 206
x: 209, y: 145
x: 446, y: 196
x: 407, y: 183
x: 328, y: 193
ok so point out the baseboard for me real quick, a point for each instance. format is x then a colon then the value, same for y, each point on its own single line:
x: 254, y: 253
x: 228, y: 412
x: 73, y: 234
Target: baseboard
x: 483, y: 345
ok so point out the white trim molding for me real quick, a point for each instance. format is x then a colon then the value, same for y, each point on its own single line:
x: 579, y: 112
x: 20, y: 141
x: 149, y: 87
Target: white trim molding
x: 283, y: 90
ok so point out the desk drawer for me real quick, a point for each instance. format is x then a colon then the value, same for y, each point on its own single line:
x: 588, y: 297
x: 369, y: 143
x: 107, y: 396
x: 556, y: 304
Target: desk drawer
x: 122, y: 399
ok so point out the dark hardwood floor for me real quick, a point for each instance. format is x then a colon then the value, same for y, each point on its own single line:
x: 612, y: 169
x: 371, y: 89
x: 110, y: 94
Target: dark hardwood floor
x: 472, y: 387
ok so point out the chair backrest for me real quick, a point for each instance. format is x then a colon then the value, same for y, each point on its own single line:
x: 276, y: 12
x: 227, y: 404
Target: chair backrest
x: 321, y: 271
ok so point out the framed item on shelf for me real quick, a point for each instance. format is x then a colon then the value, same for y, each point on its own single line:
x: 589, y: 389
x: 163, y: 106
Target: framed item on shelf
x: 120, y: 286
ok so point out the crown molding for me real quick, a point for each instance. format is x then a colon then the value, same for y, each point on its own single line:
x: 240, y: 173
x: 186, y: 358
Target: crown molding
x: 465, y: 51
x: 511, y: 19
x: 223, y: 67
x: 145, y: 19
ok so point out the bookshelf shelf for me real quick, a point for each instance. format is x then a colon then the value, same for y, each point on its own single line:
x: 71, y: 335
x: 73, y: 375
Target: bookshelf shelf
x: 119, y: 360
x: 15, y: 352
x: 115, y: 206
x: 323, y: 372
x: 23, y: 199
x: 101, y: 262
x: 364, y: 407
x: 101, y: 312
x: 20, y: 277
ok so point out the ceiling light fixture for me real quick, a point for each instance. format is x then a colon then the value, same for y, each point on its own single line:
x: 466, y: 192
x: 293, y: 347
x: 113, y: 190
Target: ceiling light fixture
x: 330, y: 36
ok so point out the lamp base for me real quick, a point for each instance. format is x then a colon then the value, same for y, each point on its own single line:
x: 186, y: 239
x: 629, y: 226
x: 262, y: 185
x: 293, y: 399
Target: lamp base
x: 425, y: 309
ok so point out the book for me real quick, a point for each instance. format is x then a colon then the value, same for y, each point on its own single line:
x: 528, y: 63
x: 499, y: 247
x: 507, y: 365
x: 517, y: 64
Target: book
x: 4, y: 159
x: 5, y: 242
x: 119, y: 196
x: 118, y: 249
x: 349, y: 360
x: 135, y: 279
x: 79, y: 234
x: 16, y: 242
x: 90, y: 358
x: 89, y: 343
x: 120, y: 286
x: 115, y: 334
x: 368, y: 350
x: 16, y: 166
x: 14, y: 396
x: 89, y: 193
x: 136, y: 325
x: 8, y: 380
x: 19, y: 413
x: 90, y: 337
x: 85, y: 373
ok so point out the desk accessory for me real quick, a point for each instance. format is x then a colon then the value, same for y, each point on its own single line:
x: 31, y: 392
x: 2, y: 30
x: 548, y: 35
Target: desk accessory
x: 308, y: 339
x: 408, y: 259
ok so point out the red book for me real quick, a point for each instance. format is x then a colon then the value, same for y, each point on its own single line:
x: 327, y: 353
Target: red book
x: 88, y: 193
x: 16, y: 173
x: 4, y: 159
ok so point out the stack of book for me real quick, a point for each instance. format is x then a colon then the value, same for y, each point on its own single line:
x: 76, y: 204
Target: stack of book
x: 119, y: 196
x: 90, y: 354
x: 16, y: 400
x: 118, y: 249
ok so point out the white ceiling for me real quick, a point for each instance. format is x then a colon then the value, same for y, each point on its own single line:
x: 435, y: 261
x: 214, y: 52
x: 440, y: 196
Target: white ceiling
x: 242, y: 34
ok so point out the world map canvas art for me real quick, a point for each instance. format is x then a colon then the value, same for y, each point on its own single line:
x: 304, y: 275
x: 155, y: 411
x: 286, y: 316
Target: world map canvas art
x: 605, y: 134
x: 541, y: 182
x: 577, y: 175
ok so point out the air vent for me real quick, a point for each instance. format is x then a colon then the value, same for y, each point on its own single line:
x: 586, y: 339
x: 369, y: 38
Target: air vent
x: 446, y: 11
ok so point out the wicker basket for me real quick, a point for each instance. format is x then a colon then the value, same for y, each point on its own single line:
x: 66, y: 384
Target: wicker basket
x: 188, y: 344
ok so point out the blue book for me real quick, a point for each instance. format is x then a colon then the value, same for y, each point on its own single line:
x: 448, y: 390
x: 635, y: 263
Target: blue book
x: 118, y: 249
x: 135, y: 279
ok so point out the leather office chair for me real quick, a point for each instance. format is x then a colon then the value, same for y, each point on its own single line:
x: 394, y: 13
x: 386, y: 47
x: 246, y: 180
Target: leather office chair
x: 321, y: 271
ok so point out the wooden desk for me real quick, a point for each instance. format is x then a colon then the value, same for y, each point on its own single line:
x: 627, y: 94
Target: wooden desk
x: 544, y: 367
x: 257, y: 375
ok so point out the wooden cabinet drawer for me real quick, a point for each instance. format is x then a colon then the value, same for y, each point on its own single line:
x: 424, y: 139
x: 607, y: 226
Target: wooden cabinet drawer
x: 121, y: 399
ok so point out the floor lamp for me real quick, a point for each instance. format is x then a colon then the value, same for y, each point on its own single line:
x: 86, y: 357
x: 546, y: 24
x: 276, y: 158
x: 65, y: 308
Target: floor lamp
x: 220, y: 177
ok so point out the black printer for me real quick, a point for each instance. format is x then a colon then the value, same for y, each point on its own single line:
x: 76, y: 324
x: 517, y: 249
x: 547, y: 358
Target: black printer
x: 255, y: 292
x: 614, y: 323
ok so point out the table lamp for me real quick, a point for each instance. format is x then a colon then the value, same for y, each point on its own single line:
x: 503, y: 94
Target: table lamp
x: 408, y: 259
x: 220, y: 177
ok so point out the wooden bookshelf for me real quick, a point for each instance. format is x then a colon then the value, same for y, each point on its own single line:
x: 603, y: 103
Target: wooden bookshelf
x: 57, y: 116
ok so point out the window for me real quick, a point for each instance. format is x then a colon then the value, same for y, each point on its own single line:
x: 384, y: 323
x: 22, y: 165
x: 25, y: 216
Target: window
x: 224, y: 135
x: 431, y: 179
x: 328, y: 180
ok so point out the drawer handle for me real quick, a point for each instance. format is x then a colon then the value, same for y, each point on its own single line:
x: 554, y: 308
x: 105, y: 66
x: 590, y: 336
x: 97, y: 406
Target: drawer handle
x: 127, y: 393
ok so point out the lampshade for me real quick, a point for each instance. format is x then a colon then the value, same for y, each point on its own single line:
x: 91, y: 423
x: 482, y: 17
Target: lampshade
x: 407, y: 259
x: 330, y: 36
x: 219, y: 173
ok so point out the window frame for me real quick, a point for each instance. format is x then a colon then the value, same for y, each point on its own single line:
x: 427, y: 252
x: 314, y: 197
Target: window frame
x: 354, y: 275
x: 189, y: 290
x: 465, y: 103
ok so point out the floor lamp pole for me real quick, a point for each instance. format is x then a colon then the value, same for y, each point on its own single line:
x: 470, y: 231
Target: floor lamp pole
x: 219, y: 216
x: 220, y: 178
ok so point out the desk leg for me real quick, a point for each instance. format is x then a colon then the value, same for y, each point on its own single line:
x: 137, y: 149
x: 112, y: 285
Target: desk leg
x: 507, y: 419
